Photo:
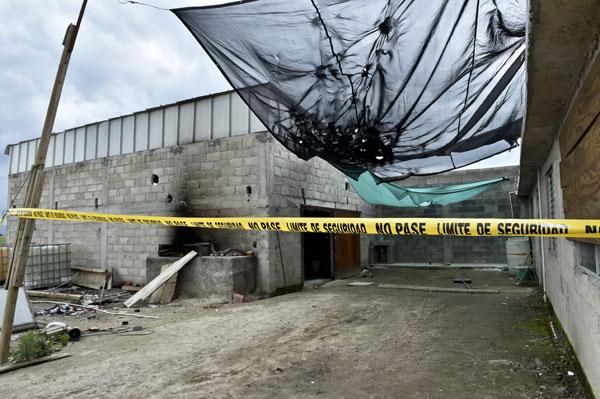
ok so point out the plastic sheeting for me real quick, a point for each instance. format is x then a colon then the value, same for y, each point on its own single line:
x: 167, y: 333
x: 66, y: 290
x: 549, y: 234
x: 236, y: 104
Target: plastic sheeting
x: 373, y: 191
x: 398, y: 87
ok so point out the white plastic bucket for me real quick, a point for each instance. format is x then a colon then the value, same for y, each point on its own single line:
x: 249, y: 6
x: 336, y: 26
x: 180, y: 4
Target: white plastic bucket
x: 518, y: 253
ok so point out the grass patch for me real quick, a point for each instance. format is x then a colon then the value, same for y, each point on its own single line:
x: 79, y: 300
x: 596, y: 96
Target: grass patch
x: 536, y: 326
x: 34, y: 344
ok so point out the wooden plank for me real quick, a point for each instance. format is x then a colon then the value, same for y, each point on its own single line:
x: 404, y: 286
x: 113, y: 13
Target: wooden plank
x: 584, y: 109
x: 160, y: 279
x: 16, y: 366
x: 89, y: 277
x: 583, y: 158
x: 580, y: 178
x: 33, y: 193
x: 54, y: 295
x: 164, y: 293
x: 438, y: 289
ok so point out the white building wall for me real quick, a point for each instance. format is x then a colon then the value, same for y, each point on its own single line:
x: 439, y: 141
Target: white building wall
x: 573, y: 292
x: 199, y: 119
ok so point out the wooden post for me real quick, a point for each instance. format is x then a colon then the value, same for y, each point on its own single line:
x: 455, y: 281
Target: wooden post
x: 16, y: 271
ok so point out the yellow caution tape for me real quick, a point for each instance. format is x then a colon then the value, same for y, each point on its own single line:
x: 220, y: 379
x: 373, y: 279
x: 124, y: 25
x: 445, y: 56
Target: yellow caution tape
x: 385, y: 226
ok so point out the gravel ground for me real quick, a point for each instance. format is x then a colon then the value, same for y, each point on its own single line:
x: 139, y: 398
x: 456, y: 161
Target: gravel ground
x: 334, y: 341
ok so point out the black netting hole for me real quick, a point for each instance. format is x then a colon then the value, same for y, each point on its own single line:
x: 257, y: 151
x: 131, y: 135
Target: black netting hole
x: 386, y: 26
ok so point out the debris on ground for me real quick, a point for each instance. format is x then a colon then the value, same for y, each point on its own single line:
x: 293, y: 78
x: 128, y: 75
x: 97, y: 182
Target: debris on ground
x: 98, y: 309
x: 238, y: 298
x: 366, y: 273
x: 161, y: 279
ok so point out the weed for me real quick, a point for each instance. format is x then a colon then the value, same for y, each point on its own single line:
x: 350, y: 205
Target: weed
x: 32, y: 345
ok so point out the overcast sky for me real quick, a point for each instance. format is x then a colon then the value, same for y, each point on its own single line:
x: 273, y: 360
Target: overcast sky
x: 127, y: 58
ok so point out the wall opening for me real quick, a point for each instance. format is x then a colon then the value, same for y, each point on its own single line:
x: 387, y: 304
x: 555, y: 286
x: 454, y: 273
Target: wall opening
x: 154, y: 179
x: 316, y: 249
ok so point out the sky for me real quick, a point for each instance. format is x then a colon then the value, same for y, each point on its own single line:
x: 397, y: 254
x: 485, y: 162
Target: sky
x: 126, y: 58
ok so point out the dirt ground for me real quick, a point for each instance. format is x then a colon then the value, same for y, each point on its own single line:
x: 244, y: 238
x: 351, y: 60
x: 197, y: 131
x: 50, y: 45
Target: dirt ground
x: 335, y: 341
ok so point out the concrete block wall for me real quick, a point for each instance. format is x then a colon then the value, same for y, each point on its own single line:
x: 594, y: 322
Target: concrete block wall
x: 288, y: 178
x: 573, y: 293
x: 448, y: 250
x: 200, y: 179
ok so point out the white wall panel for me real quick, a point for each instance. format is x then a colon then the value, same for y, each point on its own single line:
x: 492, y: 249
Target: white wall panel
x: 69, y: 146
x: 23, y: 156
x: 50, y: 154
x: 14, y: 159
x: 240, y: 117
x: 31, y: 150
x: 186, y: 123
x: 255, y: 124
x: 127, y: 133
x: 91, y: 131
x: 114, y: 138
x: 59, y: 149
x: 221, y: 116
x: 102, y: 149
x: 80, y: 144
x: 156, y: 129
x: 141, y: 131
x: 203, y: 120
x: 171, y: 117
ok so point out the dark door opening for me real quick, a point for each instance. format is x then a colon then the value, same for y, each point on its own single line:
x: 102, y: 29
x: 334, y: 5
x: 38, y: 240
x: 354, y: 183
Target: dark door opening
x: 317, y: 249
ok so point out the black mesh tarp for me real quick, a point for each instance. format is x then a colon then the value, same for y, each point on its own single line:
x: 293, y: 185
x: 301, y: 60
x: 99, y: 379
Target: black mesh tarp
x: 397, y: 87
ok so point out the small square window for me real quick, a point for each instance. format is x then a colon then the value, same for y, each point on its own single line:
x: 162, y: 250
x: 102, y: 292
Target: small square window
x: 588, y: 258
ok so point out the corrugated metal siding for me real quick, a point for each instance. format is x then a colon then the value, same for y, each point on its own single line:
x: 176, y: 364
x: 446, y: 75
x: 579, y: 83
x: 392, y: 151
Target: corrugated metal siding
x: 171, y: 116
x: 91, y: 138
x: 69, y: 147
x: 114, y: 137
x: 80, y: 144
x: 127, y: 134
x: 102, y: 146
x: 59, y: 148
x: 218, y: 116
x: 141, y: 131
x: 186, y: 123
x: 203, y: 120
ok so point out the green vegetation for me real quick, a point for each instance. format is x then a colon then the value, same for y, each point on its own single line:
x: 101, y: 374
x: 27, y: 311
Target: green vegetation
x: 34, y: 344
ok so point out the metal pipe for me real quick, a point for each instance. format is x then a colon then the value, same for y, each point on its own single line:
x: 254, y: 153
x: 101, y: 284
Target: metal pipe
x: 539, y: 189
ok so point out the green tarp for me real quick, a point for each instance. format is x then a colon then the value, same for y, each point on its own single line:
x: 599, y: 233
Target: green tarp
x: 370, y: 189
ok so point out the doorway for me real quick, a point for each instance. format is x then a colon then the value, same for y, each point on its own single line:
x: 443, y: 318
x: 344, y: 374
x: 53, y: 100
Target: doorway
x: 330, y: 256
x: 317, y: 249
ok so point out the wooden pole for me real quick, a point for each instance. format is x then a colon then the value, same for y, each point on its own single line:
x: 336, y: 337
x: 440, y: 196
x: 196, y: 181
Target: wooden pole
x: 25, y: 229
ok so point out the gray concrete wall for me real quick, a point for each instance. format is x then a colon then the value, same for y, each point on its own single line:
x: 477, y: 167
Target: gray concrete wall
x: 573, y: 292
x: 455, y: 250
x: 199, y: 179
x: 212, y: 278
x: 323, y: 185
x: 210, y: 178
